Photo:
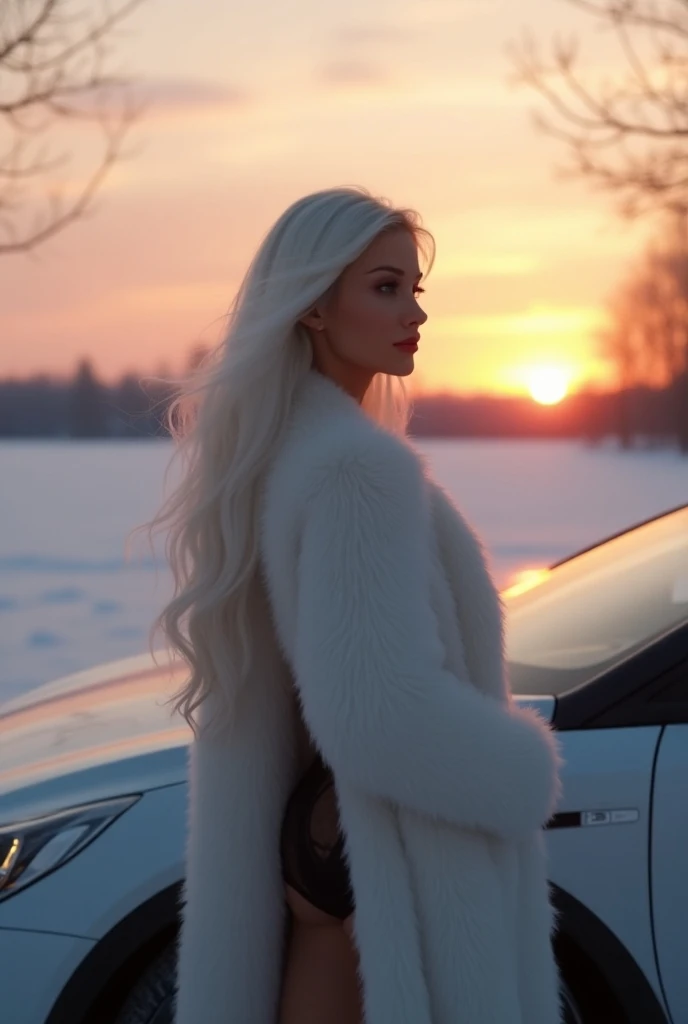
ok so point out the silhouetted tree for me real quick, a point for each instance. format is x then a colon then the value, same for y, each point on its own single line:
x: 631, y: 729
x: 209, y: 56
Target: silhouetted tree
x: 131, y: 408
x: 647, y: 333
x: 36, y: 407
x: 87, y: 406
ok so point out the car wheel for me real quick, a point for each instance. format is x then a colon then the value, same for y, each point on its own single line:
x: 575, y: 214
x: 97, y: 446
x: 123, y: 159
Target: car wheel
x: 572, y: 1011
x: 150, y: 1001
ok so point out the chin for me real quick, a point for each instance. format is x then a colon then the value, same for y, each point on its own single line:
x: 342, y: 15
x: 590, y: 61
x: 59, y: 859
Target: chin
x: 404, y: 367
x: 404, y: 370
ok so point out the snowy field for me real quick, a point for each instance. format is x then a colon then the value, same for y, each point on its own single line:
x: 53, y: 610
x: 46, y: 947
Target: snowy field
x: 69, y: 599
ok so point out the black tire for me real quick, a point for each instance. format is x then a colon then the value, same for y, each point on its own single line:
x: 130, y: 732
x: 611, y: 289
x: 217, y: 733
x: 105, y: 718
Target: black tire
x: 151, y: 999
x: 572, y: 1011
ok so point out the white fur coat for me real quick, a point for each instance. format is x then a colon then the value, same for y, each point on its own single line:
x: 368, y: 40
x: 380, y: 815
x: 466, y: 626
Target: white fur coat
x: 378, y: 609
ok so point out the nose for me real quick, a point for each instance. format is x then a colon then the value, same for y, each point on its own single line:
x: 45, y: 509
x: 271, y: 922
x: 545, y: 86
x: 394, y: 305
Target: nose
x: 421, y: 316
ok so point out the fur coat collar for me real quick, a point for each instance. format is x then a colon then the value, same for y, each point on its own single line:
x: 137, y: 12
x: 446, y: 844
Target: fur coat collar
x: 377, y: 624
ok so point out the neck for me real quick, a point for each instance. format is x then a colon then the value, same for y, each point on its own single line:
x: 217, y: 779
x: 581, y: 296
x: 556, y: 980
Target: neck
x: 355, y: 380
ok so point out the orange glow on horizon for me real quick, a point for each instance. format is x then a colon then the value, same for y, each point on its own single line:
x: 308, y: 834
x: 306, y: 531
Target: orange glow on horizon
x: 544, y: 352
x: 525, y: 263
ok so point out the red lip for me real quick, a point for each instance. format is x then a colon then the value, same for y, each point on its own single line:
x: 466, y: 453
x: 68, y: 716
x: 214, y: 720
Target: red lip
x: 408, y: 342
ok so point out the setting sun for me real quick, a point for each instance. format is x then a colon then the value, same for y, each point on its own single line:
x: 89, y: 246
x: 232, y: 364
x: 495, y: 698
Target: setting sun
x: 548, y: 384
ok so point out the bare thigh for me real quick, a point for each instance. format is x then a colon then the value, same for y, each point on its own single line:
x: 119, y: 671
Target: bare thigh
x: 320, y: 984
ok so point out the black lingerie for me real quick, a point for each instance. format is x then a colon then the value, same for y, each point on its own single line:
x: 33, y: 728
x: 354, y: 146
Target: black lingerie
x: 312, y: 844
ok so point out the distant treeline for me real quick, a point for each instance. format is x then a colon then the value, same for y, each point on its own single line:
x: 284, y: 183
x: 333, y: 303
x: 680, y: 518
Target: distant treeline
x: 134, y: 407
x: 654, y: 415
x: 84, y: 407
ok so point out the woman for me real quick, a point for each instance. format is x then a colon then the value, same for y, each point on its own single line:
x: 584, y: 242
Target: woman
x: 341, y: 626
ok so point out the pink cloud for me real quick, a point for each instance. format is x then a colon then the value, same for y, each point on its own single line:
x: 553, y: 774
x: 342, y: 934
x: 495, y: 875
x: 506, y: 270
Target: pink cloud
x: 159, y: 96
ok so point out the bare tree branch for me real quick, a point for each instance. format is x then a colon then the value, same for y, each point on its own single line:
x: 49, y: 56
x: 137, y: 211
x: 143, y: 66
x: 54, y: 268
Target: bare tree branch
x: 640, y: 14
x: 629, y: 138
x: 52, y: 54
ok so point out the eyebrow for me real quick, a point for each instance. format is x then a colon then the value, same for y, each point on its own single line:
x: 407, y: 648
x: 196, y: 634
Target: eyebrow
x: 394, y: 270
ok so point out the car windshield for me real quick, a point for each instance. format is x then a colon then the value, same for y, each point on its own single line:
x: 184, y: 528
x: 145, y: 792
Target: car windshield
x: 584, y: 616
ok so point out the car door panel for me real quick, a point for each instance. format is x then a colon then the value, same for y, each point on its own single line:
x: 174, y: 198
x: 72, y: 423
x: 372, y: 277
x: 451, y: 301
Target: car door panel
x: 598, y: 842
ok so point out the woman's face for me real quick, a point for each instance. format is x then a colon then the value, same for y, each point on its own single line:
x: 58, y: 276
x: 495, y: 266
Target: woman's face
x: 372, y: 307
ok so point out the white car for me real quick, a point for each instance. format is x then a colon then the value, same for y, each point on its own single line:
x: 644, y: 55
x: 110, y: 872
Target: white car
x: 93, y: 804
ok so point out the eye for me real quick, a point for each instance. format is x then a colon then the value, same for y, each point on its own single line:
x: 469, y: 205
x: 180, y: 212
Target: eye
x: 395, y: 284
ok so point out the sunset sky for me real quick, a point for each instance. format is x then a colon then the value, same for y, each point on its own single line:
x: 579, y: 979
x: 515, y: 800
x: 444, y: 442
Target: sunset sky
x: 255, y: 104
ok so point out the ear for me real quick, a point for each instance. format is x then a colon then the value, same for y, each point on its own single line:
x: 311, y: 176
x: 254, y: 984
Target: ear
x: 313, y: 319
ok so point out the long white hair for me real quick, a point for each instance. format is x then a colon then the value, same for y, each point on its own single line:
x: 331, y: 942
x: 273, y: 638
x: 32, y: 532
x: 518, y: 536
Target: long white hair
x: 228, y: 417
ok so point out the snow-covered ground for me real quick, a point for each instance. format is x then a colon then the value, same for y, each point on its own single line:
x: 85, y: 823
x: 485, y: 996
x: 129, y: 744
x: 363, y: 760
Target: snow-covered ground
x: 69, y: 599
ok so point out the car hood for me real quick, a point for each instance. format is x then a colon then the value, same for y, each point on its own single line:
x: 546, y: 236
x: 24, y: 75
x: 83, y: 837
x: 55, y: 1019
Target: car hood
x: 99, y: 733
x: 91, y: 735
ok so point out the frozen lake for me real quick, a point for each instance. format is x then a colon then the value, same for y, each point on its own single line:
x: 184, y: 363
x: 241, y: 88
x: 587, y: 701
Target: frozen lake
x: 69, y: 599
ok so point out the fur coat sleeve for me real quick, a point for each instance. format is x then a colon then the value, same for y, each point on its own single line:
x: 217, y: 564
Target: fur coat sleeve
x: 387, y: 715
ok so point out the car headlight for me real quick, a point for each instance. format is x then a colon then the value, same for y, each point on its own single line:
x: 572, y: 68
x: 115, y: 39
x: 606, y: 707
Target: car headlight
x: 30, y: 849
